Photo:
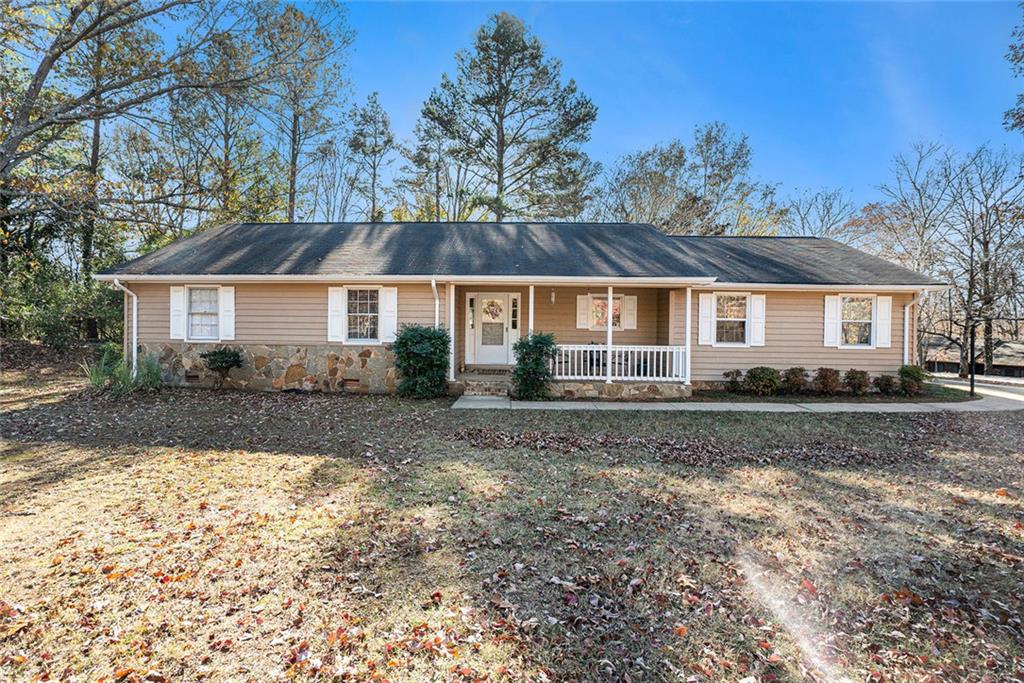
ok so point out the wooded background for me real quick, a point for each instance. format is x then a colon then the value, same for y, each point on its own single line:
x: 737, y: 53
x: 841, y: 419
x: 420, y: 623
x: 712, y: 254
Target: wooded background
x: 127, y: 124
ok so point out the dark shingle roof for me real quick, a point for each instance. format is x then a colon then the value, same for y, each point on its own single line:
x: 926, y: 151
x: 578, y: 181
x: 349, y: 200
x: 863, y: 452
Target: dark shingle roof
x: 525, y: 249
x: 794, y: 260
x: 470, y: 249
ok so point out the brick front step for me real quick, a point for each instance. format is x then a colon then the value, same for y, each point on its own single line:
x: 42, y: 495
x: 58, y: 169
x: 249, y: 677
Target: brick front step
x: 487, y: 387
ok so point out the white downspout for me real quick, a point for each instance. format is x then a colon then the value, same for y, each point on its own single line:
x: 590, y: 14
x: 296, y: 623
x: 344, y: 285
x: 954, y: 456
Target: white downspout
x: 135, y: 324
x: 906, y: 327
x: 437, y: 302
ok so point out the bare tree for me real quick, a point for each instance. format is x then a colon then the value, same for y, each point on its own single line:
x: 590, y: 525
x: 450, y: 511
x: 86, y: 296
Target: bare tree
x: 985, y: 245
x: 333, y: 181
x: 821, y: 213
x: 704, y: 189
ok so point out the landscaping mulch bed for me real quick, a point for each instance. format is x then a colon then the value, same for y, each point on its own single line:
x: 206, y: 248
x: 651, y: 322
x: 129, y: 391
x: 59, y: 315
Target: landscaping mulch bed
x: 199, y: 535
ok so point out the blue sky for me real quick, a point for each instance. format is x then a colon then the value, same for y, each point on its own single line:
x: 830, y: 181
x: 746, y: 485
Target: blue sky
x: 827, y: 93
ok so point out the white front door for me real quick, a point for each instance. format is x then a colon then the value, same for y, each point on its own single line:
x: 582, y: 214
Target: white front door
x: 493, y: 329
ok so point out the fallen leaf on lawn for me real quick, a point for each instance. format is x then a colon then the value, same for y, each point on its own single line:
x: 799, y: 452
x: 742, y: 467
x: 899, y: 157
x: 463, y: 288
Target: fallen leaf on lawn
x: 56, y: 560
x: 808, y: 586
x: 1003, y: 492
x: 681, y: 630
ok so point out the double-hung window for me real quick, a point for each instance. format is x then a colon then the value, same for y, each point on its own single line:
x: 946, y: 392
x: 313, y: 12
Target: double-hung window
x: 203, y: 313
x: 363, y: 315
x: 599, y: 312
x: 730, y: 318
x: 856, y: 317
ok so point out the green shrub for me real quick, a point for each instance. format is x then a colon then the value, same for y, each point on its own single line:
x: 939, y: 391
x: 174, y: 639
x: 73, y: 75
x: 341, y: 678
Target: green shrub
x: 111, y: 354
x: 96, y: 374
x: 532, y: 373
x: 912, y: 378
x: 914, y: 372
x: 856, y: 382
x: 762, y: 381
x: 885, y: 384
x: 148, y: 377
x: 794, y: 380
x: 122, y: 382
x: 421, y: 358
x: 826, y: 381
x: 733, y: 380
x: 221, y: 361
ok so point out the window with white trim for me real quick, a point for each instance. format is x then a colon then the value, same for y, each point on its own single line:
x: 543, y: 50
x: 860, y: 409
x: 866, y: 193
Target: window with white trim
x: 599, y: 312
x: 731, y: 318
x: 363, y: 310
x: 855, y: 320
x: 203, y: 313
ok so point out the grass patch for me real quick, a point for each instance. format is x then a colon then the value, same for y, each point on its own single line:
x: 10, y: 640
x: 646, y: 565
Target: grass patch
x: 193, y: 534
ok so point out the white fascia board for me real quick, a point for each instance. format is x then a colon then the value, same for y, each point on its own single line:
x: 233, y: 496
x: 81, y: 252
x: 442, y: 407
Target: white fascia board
x: 755, y: 286
x: 460, y: 279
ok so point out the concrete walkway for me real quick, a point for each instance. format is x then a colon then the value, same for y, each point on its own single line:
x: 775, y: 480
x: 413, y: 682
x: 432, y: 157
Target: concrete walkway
x: 992, y: 400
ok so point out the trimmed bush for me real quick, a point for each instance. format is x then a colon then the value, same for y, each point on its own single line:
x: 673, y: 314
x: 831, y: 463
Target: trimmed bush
x: 912, y: 379
x: 733, y: 380
x: 826, y: 381
x: 885, y: 384
x: 532, y: 374
x: 914, y: 372
x: 421, y: 358
x: 794, y: 380
x: 856, y: 382
x: 221, y: 361
x: 762, y: 381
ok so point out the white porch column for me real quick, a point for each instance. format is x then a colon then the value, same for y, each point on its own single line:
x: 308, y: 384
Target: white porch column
x: 450, y: 287
x: 608, y: 320
x: 529, y: 325
x: 688, y: 345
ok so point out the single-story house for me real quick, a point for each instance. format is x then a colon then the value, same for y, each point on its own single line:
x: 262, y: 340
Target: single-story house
x: 634, y: 312
x: 1007, y: 358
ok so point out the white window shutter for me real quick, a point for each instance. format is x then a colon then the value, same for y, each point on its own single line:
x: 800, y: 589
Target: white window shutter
x: 227, y: 313
x: 883, y: 322
x: 388, y: 314
x: 629, y: 312
x: 757, y: 309
x: 583, y: 312
x: 336, y: 318
x: 705, y: 321
x: 177, y: 313
x: 832, y: 321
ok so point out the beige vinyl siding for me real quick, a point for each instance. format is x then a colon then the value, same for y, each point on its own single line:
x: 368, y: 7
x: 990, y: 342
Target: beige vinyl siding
x: 794, y: 336
x: 271, y: 313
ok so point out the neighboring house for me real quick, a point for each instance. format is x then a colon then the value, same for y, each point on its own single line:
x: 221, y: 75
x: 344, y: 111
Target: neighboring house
x: 314, y: 306
x: 1007, y: 358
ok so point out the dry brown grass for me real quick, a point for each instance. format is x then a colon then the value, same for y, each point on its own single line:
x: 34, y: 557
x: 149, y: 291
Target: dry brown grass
x: 225, y: 536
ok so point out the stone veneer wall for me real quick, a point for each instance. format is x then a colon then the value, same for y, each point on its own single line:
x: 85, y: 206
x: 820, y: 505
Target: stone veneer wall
x: 357, y: 369
x: 622, y: 391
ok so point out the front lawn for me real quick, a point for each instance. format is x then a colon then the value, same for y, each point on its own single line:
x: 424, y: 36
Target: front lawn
x: 194, y: 535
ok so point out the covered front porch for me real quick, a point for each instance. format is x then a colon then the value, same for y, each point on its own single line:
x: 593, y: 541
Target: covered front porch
x: 646, y: 342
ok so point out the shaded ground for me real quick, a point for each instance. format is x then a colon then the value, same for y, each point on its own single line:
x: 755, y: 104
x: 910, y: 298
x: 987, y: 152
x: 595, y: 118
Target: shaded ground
x: 227, y: 536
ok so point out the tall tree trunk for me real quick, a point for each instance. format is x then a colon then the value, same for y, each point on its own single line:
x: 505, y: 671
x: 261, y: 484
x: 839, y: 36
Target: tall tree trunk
x: 437, y: 191
x: 89, y: 226
x: 373, y: 194
x: 293, y: 164
x: 988, y: 345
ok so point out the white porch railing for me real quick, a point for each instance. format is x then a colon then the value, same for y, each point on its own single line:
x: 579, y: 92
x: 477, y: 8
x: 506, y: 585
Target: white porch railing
x: 628, y: 363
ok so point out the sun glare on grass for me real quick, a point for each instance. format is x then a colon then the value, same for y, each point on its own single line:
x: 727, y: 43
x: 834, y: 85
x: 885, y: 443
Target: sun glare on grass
x: 779, y: 602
